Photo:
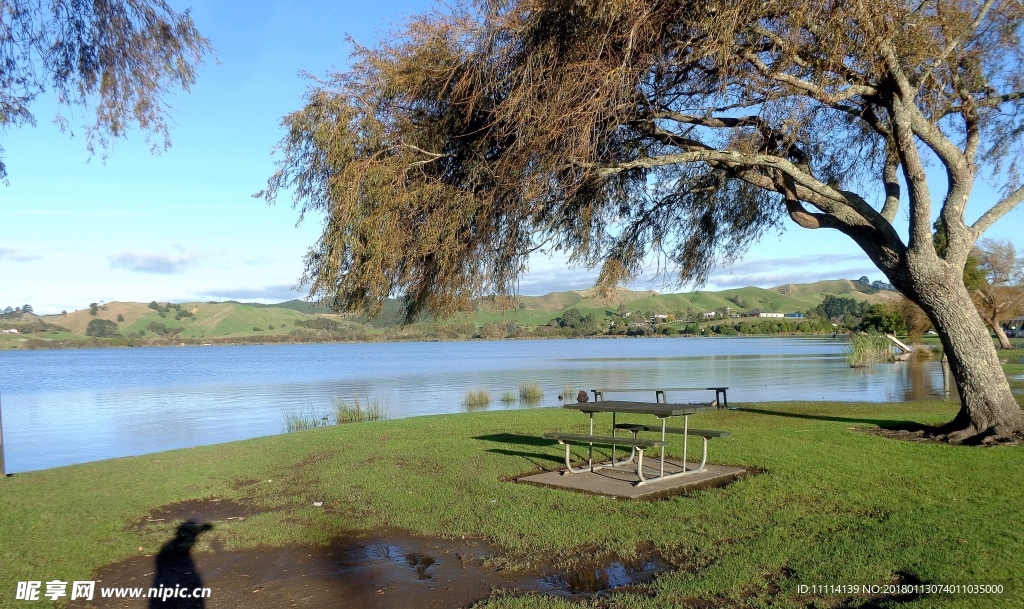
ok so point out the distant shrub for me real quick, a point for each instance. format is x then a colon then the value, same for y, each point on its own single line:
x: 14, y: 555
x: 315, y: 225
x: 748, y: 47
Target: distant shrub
x: 257, y: 329
x: 120, y: 317
x: 93, y: 308
x: 320, y: 323
x: 161, y: 330
x: 183, y: 313
x: 270, y: 327
x: 102, y: 328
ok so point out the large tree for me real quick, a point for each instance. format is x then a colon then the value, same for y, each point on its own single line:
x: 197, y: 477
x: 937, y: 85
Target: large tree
x: 116, y: 57
x: 621, y: 130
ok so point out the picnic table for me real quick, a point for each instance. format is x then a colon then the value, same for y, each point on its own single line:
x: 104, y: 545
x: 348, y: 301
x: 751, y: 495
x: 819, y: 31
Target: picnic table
x: 661, y: 394
x: 660, y: 410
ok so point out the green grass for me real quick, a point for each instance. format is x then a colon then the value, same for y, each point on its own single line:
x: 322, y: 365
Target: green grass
x: 832, y: 505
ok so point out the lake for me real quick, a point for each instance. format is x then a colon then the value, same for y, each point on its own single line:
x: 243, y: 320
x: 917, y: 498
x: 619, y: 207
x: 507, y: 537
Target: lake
x: 72, y: 406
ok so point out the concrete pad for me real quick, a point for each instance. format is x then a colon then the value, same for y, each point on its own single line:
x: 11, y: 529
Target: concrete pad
x: 621, y: 484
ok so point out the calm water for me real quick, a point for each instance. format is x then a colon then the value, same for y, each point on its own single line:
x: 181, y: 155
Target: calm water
x: 73, y: 406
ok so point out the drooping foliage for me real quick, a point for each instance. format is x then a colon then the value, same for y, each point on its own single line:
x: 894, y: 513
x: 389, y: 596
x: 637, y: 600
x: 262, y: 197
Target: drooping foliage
x: 615, y: 130
x: 120, y: 57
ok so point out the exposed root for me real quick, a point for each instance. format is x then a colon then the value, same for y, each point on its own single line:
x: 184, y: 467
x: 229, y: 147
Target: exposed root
x: 954, y: 433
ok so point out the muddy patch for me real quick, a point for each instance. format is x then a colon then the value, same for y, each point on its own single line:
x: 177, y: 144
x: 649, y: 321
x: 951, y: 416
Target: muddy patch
x: 380, y: 569
x: 200, y: 510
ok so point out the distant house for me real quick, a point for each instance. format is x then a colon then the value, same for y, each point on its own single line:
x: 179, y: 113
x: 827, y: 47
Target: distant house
x: 760, y: 313
x: 11, y: 331
x: 710, y: 314
x: 660, y: 317
x: 794, y: 315
x: 1014, y: 327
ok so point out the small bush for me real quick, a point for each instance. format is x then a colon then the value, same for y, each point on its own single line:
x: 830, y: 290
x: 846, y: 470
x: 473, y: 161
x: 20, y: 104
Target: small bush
x: 102, y: 328
x: 508, y: 398
x: 120, y: 317
x: 530, y: 392
x: 257, y: 329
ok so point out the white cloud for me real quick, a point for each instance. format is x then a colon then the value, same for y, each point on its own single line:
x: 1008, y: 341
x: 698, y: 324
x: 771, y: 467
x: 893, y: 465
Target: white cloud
x: 16, y: 255
x: 152, y: 262
x: 272, y: 293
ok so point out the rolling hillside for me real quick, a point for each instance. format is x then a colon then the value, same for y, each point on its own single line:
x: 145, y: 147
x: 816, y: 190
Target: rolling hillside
x: 198, y: 321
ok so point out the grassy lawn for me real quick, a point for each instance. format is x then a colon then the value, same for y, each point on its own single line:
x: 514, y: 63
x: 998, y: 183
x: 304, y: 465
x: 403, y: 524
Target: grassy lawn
x: 832, y: 505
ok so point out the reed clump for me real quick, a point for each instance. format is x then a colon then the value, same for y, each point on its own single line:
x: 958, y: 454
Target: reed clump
x: 866, y: 349
x: 508, y: 398
x: 478, y: 398
x: 568, y: 393
x: 355, y: 411
x: 530, y: 393
x: 298, y: 420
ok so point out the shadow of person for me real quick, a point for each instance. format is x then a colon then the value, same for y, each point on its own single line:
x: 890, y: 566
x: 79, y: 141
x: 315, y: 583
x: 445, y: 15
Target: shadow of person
x: 176, y: 577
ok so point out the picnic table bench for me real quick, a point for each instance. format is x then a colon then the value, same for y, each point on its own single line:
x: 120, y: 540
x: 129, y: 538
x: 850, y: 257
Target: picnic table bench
x: 660, y: 394
x: 637, y: 445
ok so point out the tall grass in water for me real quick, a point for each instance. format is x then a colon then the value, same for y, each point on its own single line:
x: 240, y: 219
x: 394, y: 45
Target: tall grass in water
x: 867, y: 349
x: 476, y: 399
x: 356, y: 412
x: 568, y: 394
x: 530, y: 393
x: 297, y: 420
x: 508, y: 398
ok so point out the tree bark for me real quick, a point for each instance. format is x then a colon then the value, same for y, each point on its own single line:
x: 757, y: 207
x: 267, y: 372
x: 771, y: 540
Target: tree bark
x: 988, y: 410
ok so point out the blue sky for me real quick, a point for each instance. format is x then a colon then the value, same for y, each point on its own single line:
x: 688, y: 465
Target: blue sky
x: 182, y: 225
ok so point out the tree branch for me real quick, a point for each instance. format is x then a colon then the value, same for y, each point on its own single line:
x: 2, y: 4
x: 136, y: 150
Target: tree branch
x: 997, y: 211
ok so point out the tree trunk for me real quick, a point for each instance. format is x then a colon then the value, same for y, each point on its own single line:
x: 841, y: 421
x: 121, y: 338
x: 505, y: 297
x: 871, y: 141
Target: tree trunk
x: 988, y: 410
x: 1004, y: 343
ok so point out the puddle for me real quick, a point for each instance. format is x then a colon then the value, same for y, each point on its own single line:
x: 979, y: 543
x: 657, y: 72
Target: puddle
x: 598, y: 578
x: 381, y: 569
x: 200, y: 510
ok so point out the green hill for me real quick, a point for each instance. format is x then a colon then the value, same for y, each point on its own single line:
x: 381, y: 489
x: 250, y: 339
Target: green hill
x: 301, y: 320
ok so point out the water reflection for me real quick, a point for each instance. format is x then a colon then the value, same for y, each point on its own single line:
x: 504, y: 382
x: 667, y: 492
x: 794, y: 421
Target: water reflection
x: 64, y: 407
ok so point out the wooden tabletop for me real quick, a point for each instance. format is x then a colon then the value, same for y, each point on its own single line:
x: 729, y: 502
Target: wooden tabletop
x: 658, y: 410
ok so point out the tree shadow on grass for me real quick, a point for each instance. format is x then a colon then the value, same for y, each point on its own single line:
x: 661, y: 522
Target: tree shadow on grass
x: 175, y: 570
x: 882, y: 423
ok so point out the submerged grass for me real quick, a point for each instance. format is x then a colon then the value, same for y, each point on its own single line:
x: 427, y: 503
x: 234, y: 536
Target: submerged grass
x: 833, y: 505
x: 508, y: 398
x: 478, y: 398
x: 300, y: 420
x: 867, y: 349
x: 355, y: 412
x: 531, y: 393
